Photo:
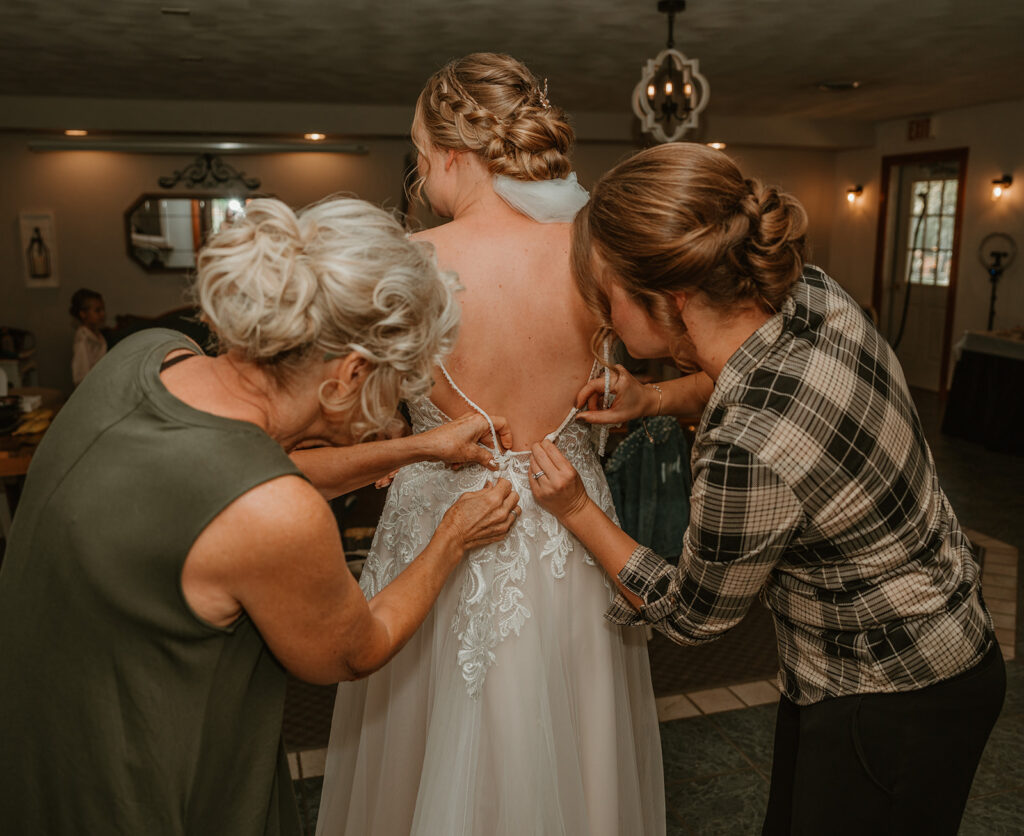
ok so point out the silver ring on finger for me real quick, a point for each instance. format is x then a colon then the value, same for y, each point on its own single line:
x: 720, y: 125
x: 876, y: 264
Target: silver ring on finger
x: 538, y: 474
x: 517, y: 511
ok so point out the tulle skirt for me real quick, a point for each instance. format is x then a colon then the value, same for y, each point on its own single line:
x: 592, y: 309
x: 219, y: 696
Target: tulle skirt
x: 561, y: 739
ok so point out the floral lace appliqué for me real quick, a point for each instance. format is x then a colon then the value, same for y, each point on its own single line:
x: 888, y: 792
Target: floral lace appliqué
x: 491, y: 605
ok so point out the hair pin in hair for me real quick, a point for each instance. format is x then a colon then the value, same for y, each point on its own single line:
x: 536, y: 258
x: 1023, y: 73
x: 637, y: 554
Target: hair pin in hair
x: 544, y: 96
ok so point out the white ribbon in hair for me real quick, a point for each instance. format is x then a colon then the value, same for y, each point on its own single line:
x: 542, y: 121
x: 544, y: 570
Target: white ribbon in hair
x: 546, y: 201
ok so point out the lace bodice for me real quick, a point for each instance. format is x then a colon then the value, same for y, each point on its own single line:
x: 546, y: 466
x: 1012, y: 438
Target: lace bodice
x: 579, y: 442
x: 491, y: 604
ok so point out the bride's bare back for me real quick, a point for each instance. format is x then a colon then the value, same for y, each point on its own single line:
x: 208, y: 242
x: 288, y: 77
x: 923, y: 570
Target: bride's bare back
x: 523, y: 350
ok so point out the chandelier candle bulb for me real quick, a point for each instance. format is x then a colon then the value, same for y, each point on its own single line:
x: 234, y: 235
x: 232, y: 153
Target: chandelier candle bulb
x: 669, y: 116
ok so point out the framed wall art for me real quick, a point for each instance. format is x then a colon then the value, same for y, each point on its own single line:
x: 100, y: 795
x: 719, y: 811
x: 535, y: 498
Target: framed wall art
x: 39, y: 249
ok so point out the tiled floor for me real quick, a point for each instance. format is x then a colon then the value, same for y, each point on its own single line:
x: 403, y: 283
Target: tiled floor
x: 717, y: 741
x: 746, y: 652
x: 717, y: 769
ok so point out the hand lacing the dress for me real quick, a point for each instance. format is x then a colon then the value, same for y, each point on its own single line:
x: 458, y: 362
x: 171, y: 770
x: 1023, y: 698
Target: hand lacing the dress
x: 502, y: 456
x: 491, y: 605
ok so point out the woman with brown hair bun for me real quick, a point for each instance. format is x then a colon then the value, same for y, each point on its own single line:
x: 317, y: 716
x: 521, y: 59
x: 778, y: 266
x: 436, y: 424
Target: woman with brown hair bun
x: 514, y: 709
x: 813, y: 489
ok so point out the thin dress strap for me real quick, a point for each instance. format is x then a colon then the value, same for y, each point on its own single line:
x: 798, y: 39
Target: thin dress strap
x: 552, y: 436
x: 602, y: 435
x: 465, y: 397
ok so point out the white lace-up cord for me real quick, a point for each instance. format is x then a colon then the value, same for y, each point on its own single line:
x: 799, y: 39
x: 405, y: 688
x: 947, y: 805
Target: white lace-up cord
x: 602, y: 437
x: 494, y: 435
x: 607, y: 376
x: 553, y: 436
x: 499, y: 456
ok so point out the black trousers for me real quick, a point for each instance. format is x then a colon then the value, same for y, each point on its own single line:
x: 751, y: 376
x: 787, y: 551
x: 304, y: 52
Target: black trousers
x: 883, y: 763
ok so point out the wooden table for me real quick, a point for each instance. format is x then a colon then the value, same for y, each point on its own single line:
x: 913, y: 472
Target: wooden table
x: 15, y: 457
x: 16, y: 454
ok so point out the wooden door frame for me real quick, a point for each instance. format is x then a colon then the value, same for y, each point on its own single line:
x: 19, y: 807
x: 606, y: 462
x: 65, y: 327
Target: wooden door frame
x: 888, y: 162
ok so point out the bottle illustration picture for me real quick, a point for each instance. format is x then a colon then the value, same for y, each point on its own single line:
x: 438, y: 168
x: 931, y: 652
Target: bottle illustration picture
x: 38, y: 256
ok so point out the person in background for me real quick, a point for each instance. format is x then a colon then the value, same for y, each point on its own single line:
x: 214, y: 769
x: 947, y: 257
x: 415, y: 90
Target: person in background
x: 88, y: 310
x: 813, y: 488
x: 169, y: 563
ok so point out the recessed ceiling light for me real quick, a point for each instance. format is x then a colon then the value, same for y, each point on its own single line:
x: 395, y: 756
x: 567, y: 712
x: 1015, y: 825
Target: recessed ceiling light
x: 315, y: 136
x: 838, y: 86
x: 75, y: 132
x: 718, y: 146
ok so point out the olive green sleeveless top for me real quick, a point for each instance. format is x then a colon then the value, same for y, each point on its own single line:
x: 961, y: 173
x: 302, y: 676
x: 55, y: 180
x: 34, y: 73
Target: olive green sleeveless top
x: 121, y: 711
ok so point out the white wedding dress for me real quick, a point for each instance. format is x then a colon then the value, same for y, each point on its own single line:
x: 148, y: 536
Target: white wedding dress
x: 516, y: 709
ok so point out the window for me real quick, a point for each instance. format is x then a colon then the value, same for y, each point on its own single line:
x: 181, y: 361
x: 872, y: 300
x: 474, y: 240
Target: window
x: 930, y: 237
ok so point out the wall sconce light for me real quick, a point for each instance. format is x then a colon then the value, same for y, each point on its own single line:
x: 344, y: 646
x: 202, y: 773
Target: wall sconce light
x: 854, y: 193
x: 75, y: 132
x: 315, y: 137
x: 1001, y: 185
x: 718, y: 146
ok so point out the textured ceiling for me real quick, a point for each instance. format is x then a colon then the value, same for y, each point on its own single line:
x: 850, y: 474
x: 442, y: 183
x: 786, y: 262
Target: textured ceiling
x: 761, y: 57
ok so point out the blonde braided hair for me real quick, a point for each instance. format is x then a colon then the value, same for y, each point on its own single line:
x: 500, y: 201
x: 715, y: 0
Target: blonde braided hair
x: 493, y: 106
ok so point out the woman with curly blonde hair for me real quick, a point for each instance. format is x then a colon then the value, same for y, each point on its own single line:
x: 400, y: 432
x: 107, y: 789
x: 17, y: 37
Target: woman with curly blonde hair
x: 168, y: 561
x: 515, y: 708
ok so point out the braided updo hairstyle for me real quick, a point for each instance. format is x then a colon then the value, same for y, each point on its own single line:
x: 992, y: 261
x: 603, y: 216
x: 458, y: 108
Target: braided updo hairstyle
x: 682, y: 217
x: 492, y: 105
x: 287, y: 291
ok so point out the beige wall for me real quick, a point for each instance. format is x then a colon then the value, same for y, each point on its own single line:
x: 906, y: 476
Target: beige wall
x: 89, y: 191
x: 994, y: 137
x: 807, y: 173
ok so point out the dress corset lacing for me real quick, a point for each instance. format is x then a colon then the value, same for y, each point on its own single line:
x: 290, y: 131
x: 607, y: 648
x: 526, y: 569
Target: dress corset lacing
x: 503, y: 459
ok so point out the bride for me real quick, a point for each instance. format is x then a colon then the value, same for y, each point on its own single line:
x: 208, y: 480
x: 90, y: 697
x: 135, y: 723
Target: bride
x: 516, y: 708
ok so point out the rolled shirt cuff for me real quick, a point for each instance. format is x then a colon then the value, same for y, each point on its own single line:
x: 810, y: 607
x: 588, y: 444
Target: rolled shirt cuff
x: 649, y: 577
x: 623, y: 613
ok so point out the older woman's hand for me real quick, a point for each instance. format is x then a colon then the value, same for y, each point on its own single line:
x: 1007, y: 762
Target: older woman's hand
x: 556, y: 485
x: 632, y: 399
x: 458, y: 442
x: 484, y: 516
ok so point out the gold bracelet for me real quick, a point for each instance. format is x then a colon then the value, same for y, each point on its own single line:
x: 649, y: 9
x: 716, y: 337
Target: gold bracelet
x: 643, y: 420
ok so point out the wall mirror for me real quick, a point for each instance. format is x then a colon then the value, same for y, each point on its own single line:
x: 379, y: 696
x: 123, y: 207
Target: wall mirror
x: 164, y: 233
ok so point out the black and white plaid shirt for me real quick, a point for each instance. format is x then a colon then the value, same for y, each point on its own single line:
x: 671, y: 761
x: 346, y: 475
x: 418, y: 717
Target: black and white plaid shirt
x: 814, y: 487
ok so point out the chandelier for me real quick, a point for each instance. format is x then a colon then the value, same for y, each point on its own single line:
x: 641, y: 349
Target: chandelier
x: 671, y: 92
